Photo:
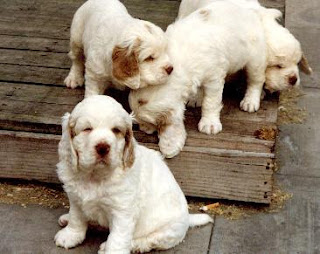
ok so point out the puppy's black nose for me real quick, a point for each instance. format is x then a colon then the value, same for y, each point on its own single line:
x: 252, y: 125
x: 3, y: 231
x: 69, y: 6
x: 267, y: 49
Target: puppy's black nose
x: 102, y: 149
x: 169, y: 69
x: 293, y: 80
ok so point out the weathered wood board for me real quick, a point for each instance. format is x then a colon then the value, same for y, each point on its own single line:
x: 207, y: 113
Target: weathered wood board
x: 33, y: 64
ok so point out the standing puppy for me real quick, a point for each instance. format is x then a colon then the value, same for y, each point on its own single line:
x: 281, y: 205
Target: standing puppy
x: 284, y: 53
x: 112, y: 180
x: 113, y: 48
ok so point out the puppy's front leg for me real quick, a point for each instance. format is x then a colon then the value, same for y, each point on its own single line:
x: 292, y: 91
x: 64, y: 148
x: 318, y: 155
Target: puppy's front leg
x: 172, y: 137
x: 211, y: 107
x: 74, y: 233
x: 94, y: 86
x: 75, y: 76
x: 121, y: 233
x: 256, y: 79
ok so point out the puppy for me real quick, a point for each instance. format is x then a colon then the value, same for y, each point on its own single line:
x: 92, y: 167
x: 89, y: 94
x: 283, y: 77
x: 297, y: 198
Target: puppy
x: 223, y: 38
x: 115, y: 49
x: 115, y: 182
x: 284, y: 53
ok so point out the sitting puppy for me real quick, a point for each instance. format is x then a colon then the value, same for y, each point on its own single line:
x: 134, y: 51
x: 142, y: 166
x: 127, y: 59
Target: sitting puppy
x: 112, y: 180
x: 115, y: 49
x: 224, y: 38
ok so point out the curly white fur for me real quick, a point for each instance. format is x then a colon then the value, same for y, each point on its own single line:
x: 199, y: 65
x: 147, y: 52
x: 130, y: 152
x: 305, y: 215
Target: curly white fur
x: 115, y: 49
x: 115, y: 182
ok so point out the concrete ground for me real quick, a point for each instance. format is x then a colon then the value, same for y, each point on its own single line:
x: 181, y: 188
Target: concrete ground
x: 295, y: 229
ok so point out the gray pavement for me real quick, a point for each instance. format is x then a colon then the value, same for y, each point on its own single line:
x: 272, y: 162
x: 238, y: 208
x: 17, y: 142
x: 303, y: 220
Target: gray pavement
x: 295, y: 229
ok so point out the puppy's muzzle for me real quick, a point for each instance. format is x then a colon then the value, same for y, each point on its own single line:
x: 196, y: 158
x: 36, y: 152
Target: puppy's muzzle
x: 102, y: 149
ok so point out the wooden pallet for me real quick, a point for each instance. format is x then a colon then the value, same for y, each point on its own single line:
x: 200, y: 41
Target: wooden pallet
x: 33, y: 63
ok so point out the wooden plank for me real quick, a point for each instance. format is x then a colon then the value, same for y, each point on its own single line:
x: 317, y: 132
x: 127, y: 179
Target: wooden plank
x: 32, y: 74
x: 38, y: 106
x: 23, y: 18
x: 34, y: 58
x: 32, y: 43
x: 198, y: 174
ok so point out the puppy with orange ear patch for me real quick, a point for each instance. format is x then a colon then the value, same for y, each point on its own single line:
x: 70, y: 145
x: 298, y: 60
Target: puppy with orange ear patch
x: 113, y: 181
x: 111, y: 48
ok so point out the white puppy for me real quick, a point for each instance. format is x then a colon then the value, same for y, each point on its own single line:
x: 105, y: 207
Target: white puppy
x: 112, y: 180
x: 284, y: 51
x: 113, y: 48
x: 223, y: 38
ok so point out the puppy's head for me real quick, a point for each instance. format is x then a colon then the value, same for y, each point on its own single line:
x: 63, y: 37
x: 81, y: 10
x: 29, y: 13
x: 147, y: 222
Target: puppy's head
x: 155, y: 107
x: 284, y: 55
x: 97, y: 136
x: 141, y: 58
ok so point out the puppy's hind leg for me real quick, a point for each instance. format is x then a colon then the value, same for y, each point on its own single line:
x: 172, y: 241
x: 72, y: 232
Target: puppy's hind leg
x: 165, y: 238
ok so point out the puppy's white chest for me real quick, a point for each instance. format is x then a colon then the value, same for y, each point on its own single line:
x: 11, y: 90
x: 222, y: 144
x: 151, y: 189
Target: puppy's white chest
x: 94, y: 204
x: 96, y: 211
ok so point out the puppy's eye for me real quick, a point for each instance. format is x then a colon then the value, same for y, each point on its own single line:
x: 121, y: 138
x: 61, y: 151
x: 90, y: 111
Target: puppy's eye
x: 116, y: 130
x: 87, y: 129
x: 149, y: 59
x: 279, y: 66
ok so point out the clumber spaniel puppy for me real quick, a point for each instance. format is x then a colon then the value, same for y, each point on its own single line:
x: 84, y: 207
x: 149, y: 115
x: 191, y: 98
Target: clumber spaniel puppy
x: 284, y: 53
x: 115, y: 49
x: 112, y: 180
x: 223, y: 38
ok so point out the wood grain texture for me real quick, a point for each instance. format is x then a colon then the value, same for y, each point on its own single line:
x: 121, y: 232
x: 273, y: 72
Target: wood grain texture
x: 33, y: 156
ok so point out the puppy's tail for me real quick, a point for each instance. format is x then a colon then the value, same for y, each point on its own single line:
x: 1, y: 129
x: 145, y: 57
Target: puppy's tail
x: 199, y: 219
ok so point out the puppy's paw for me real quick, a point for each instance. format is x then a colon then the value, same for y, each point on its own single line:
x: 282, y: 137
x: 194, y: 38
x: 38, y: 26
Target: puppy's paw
x: 170, y: 150
x: 63, y: 220
x: 210, y: 125
x: 170, y: 147
x: 73, y: 80
x: 69, y: 238
x: 250, y: 104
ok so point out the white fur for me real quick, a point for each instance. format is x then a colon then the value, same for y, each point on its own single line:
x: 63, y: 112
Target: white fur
x: 142, y: 204
x: 97, y: 28
x: 222, y: 39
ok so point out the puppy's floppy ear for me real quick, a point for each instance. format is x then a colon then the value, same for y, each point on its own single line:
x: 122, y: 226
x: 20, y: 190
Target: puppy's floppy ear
x: 66, y: 149
x: 304, y: 65
x: 125, y: 66
x: 128, y: 151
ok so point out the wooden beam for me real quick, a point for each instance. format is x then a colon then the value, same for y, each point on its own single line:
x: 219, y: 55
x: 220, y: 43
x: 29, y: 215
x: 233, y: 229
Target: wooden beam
x: 33, y: 156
